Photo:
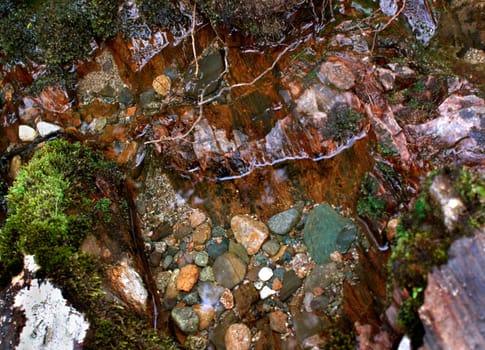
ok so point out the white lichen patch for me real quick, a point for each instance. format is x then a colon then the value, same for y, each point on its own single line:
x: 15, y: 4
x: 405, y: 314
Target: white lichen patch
x: 50, y: 322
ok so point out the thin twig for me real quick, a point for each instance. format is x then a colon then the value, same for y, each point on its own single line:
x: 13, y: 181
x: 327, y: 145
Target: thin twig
x: 192, y: 35
x: 393, y: 17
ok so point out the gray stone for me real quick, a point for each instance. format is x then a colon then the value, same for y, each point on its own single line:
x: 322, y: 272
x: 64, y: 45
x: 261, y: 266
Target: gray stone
x: 229, y: 270
x: 210, y: 68
x: 206, y: 274
x: 191, y: 298
x: 216, y: 248
x: 306, y: 324
x: 238, y: 250
x: 291, y: 283
x: 327, y: 231
x: 201, y: 259
x: 126, y: 97
x: 283, y: 222
x: 322, y: 276
x: 271, y: 247
x: 186, y: 319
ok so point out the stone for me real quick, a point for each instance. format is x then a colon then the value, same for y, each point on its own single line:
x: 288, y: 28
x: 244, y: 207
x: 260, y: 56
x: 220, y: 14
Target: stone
x: 227, y: 299
x: 266, y: 292
x: 239, y: 250
x: 326, y: 231
x: 196, y: 218
x: 127, y: 282
x: 26, y: 133
x: 265, y: 274
x: 207, y: 274
x: 271, y: 247
x: 202, y: 234
x: 206, y: 314
x: 196, y: 343
x: 45, y: 128
x: 282, y: 223
x: 405, y: 343
x: 229, y: 270
x: 238, y: 337
x: 452, y: 207
x: 278, y: 321
x: 186, y: 319
x: 337, y: 73
x: 201, y: 259
x: 291, y: 283
x: 126, y: 97
x: 210, y: 68
x: 155, y: 258
x: 386, y: 78
x: 454, y: 302
x: 216, y: 248
x: 15, y: 165
x: 245, y: 296
x: 217, y: 337
x: 306, y: 324
x: 161, y: 84
x: 191, y: 298
x: 249, y: 232
x: 209, y: 293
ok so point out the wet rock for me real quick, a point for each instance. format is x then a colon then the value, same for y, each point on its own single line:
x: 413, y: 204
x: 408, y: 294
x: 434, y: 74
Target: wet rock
x: 245, y: 296
x: 201, y: 234
x: 405, y: 343
x: 45, y: 128
x: 54, y: 98
x: 278, y: 321
x: 239, y: 251
x: 326, y: 231
x: 271, y: 247
x: 229, y: 270
x: 126, y: 97
x: 282, y: 223
x: 127, y: 282
x: 186, y: 319
x: 291, y: 283
x: 249, y: 232
x: 99, y: 108
x: 187, y: 278
x: 459, y: 126
x: 148, y: 100
x: 454, y: 302
x: 196, y: 343
x: 209, y: 293
x: 206, y: 314
x: 26, y: 133
x: 322, y: 276
x: 161, y: 84
x: 265, y: 274
x: 386, y: 78
x: 452, y: 207
x: 337, y: 73
x: 366, y: 340
x: 238, y: 337
x: 210, y: 68
x: 191, y: 298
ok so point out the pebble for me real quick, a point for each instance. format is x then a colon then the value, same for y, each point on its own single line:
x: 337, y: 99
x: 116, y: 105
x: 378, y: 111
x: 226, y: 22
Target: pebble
x: 227, y: 299
x: 249, y: 232
x: 277, y: 321
x: 206, y: 274
x: 186, y: 319
x: 191, y: 298
x: 201, y: 234
x: 209, y: 293
x: 266, y: 292
x: 290, y: 285
x: 187, y: 278
x: 265, y: 274
x: 196, y: 343
x: 238, y: 337
x: 216, y: 248
x: 271, y: 247
x: 201, y: 259
x: 45, y: 128
x: 15, y: 165
x: 196, y: 218
x: 229, y: 270
x: 282, y: 223
x: 26, y: 133
x: 161, y: 84
x: 206, y: 314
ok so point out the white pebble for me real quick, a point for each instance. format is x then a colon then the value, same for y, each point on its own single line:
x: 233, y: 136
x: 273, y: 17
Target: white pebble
x: 266, y: 292
x: 26, y: 133
x: 265, y: 274
x: 258, y: 285
x: 45, y: 128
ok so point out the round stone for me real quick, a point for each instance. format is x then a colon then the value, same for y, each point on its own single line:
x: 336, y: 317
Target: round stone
x: 238, y: 337
x: 161, y: 84
x: 186, y: 319
x: 265, y: 274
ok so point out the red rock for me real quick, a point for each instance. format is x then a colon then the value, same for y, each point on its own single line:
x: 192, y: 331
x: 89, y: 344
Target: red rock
x: 206, y: 314
x: 54, y: 99
x: 227, y: 299
x: 278, y: 320
x: 187, y: 278
x: 249, y: 232
x: 196, y: 218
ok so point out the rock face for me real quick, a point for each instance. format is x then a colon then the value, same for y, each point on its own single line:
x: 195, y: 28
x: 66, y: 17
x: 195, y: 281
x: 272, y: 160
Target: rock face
x: 327, y: 231
x: 249, y: 232
x: 454, y: 304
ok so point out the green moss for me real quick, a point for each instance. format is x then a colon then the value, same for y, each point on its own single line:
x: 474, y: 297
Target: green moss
x: 343, y: 122
x: 369, y: 205
x: 103, y: 207
x: 422, y: 241
x: 341, y: 339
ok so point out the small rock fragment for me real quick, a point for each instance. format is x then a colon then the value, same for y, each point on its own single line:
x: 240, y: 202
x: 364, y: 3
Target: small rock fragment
x: 229, y: 270
x: 283, y: 222
x: 227, y: 299
x: 45, y: 128
x: 161, y: 85
x: 266, y: 292
x: 238, y: 337
x: 187, y: 278
x: 265, y: 274
x: 186, y: 319
x: 277, y: 321
x: 206, y: 314
x: 26, y: 133
x: 249, y: 232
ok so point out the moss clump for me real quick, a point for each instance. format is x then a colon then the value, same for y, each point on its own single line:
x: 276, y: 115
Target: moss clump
x: 370, y: 205
x: 343, y: 122
x: 422, y: 242
x: 53, y: 204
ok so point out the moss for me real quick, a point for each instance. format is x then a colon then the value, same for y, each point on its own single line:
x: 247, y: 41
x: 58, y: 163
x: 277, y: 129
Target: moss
x: 422, y: 241
x: 343, y: 122
x: 370, y: 205
x: 53, y: 205
x: 341, y: 339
